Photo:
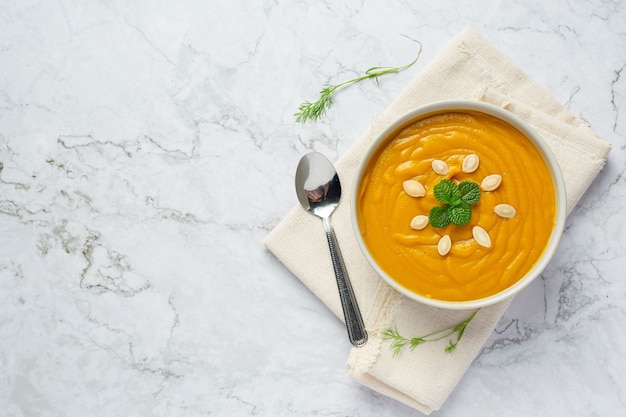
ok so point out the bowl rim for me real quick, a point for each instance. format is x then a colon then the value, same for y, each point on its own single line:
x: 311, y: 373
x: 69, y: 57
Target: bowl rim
x: 467, y: 105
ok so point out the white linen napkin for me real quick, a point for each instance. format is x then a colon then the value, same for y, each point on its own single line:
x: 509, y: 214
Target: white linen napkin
x: 468, y: 68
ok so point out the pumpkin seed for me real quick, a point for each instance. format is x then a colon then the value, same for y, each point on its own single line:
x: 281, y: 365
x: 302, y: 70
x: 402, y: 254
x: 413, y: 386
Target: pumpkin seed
x: 440, y: 167
x: 481, y: 236
x: 414, y: 188
x: 505, y: 210
x: 419, y: 222
x: 491, y: 182
x: 470, y: 163
x: 444, y: 245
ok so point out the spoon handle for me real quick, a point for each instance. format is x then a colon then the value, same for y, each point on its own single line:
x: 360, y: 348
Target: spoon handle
x: 351, y: 312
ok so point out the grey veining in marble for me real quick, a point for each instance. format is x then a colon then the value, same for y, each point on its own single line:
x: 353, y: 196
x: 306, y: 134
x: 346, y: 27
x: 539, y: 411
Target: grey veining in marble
x: 146, y: 149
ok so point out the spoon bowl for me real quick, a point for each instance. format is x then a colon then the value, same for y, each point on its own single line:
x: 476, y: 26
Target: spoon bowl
x: 319, y: 191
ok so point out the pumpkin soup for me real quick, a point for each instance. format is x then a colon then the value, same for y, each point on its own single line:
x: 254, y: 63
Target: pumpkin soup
x: 509, y: 226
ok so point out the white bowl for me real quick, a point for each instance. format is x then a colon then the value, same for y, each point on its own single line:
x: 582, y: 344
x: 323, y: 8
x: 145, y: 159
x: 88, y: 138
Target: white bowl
x: 499, y: 113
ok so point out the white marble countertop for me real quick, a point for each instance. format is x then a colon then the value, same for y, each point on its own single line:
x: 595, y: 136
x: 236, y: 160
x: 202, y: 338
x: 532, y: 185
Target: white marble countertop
x: 147, y: 148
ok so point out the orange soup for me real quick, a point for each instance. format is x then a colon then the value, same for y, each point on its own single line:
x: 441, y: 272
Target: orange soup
x: 468, y: 269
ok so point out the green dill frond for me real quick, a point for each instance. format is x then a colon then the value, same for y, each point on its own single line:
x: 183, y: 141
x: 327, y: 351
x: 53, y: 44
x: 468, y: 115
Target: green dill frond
x: 398, y: 341
x: 451, y: 347
x: 312, y: 111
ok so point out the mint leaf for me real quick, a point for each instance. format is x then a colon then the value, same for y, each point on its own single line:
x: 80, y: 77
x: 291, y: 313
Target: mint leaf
x: 457, y: 200
x: 446, y: 191
x: 460, y: 215
x: 438, y: 217
x: 469, y: 191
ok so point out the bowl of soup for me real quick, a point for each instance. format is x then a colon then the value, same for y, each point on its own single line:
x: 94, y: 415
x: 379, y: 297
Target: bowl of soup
x: 458, y: 204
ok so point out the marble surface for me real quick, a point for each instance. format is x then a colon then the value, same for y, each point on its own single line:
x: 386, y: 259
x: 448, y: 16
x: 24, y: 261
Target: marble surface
x: 147, y: 148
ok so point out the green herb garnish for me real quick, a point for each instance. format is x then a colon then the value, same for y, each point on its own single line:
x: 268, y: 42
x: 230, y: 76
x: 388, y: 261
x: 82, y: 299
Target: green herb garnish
x: 309, y: 111
x: 399, y: 341
x: 458, y: 199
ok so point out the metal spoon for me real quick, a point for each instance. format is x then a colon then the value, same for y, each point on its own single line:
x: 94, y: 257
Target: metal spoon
x: 319, y: 191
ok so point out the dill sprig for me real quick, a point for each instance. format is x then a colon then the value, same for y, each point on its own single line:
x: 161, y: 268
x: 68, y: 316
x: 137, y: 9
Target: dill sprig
x: 311, y: 111
x: 398, y: 341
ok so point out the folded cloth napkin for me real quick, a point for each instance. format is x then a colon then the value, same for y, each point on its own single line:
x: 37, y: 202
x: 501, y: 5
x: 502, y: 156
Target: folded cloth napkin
x: 468, y: 68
